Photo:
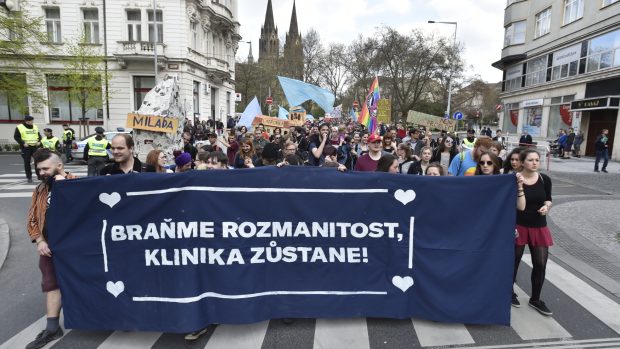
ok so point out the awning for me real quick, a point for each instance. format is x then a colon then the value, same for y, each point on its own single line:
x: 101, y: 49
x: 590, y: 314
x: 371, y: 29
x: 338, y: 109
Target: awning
x: 609, y: 102
x: 509, y: 60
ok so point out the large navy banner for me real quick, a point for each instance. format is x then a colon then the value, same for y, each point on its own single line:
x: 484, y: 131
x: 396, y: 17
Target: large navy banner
x: 175, y: 252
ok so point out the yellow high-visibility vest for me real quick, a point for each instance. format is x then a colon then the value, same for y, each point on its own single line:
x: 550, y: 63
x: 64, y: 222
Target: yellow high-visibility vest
x: 50, y: 143
x: 29, y: 136
x: 469, y: 145
x: 66, y: 135
x: 97, y: 148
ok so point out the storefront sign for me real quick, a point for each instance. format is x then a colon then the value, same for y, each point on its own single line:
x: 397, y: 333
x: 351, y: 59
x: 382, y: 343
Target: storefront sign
x: 533, y: 103
x: 567, y: 55
x: 152, y: 123
x: 596, y: 103
x: 533, y: 120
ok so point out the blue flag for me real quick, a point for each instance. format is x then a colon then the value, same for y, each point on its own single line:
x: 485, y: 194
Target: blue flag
x: 282, y: 113
x: 251, y: 111
x: 298, y: 92
x: 176, y: 252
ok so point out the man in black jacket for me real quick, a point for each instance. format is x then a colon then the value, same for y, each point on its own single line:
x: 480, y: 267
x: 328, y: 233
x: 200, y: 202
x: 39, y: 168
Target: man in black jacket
x: 124, y: 161
x: 29, y: 139
x: 525, y: 140
x: 602, y: 150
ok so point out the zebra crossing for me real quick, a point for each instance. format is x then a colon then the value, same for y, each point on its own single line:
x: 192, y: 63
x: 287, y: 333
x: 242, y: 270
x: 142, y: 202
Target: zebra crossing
x: 597, y: 327
x: 14, y: 185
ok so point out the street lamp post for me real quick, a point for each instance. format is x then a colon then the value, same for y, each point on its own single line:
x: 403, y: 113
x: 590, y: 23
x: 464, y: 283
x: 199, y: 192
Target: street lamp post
x: 454, y: 49
x: 155, y: 39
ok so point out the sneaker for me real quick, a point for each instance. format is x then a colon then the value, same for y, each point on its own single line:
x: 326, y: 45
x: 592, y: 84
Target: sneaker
x: 540, y: 307
x: 196, y: 334
x: 515, y: 301
x: 604, y: 171
x: 44, y: 338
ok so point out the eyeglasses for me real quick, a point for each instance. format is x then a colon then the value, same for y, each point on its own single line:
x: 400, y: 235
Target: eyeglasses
x: 449, y: 141
x: 488, y: 163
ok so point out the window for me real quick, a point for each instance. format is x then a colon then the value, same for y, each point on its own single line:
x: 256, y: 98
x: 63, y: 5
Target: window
x: 193, y: 26
x: 141, y: 86
x: 514, y: 76
x: 536, y: 71
x: 134, y: 26
x: 62, y: 108
x: 91, y: 26
x: 196, y: 94
x: 566, y: 62
x: 511, y: 118
x: 159, y: 21
x: 604, y: 51
x: 515, y: 34
x: 559, y: 115
x: 228, y: 97
x: 52, y: 23
x: 13, y: 102
x: 543, y: 22
x: 573, y: 10
x: 609, y: 2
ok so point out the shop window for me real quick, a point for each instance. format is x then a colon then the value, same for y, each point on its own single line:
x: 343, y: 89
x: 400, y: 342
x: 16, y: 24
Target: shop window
x: 511, y: 118
x: 63, y: 108
x: 13, y: 104
x: 560, y: 116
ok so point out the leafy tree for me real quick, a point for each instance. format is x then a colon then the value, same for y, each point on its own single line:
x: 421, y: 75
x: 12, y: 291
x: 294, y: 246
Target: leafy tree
x: 20, y: 50
x: 333, y: 70
x: 85, y: 75
x: 313, y: 53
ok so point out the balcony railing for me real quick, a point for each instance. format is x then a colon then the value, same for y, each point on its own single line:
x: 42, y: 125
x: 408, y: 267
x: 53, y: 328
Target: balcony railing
x: 139, y: 48
x: 208, y: 61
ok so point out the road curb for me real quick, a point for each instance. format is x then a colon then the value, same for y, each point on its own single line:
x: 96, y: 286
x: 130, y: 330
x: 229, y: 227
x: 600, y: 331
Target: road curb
x: 5, y: 241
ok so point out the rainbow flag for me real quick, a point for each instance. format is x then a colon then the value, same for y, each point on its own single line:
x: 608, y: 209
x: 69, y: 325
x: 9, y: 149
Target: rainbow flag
x: 368, y: 115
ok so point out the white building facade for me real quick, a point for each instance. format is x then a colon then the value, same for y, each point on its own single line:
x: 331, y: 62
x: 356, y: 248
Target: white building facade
x: 196, y: 41
x: 561, y: 69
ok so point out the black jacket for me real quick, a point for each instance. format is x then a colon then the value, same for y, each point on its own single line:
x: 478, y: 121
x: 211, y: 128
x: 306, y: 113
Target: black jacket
x: 114, y: 169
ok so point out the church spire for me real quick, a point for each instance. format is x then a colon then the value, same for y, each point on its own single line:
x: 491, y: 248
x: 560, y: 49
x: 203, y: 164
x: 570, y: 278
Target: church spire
x: 293, y: 29
x: 269, y: 23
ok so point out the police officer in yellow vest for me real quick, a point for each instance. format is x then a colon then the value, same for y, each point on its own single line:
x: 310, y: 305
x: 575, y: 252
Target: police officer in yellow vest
x: 470, y: 141
x: 29, y: 139
x: 95, y: 152
x: 68, y: 136
x: 50, y: 142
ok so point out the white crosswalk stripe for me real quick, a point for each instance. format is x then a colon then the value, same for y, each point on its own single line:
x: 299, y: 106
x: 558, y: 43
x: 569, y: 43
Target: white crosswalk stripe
x: 14, y: 185
x: 533, y: 329
x: 28, y: 334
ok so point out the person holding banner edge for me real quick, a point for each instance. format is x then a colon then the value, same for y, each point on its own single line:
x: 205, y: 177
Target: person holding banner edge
x: 532, y: 227
x: 50, y: 168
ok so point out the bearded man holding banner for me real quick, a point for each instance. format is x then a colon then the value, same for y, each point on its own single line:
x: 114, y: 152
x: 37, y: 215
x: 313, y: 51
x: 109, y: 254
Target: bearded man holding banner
x: 50, y: 168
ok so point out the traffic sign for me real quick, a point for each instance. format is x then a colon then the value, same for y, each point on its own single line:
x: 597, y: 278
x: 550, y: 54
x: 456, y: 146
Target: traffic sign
x: 458, y: 115
x: 269, y: 100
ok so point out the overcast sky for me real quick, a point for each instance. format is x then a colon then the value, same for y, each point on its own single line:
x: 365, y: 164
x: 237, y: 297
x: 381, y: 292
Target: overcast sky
x: 480, y: 23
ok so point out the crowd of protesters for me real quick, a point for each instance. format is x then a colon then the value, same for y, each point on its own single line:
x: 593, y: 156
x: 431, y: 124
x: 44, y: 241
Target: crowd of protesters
x: 345, y: 146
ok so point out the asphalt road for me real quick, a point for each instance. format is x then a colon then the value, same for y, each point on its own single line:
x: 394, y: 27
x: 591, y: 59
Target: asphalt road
x: 583, y: 220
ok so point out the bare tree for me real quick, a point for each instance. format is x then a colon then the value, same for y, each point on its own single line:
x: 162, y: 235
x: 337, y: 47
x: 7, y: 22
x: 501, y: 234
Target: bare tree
x: 362, y: 62
x: 333, y: 70
x: 409, y: 63
x: 313, y: 51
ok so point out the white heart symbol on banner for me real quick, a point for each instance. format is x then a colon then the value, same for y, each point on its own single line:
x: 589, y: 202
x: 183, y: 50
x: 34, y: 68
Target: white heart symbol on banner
x: 115, y: 288
x: 402, y: 283
x: 110, y: 199
x: 404, y: 197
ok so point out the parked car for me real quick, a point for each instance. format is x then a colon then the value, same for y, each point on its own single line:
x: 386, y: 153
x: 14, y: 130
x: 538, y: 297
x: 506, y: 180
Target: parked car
x: 77, y: 148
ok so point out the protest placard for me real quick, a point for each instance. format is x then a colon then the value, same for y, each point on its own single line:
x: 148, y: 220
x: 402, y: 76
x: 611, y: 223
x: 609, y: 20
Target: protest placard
x: 152, y: 123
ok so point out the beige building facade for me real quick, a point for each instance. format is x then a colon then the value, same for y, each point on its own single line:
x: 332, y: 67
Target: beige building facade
x: 196, y: 41
x: 561, y: 69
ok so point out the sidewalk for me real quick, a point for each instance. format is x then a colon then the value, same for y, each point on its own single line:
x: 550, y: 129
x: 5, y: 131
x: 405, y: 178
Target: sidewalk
x: 581, y: 165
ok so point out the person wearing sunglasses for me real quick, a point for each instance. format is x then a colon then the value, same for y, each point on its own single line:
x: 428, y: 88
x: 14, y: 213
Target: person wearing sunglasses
x: 445, y: 152
x: 489, y: 164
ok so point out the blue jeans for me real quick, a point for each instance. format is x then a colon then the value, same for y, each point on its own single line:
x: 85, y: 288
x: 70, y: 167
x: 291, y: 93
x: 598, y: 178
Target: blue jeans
x: 605, y: 156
